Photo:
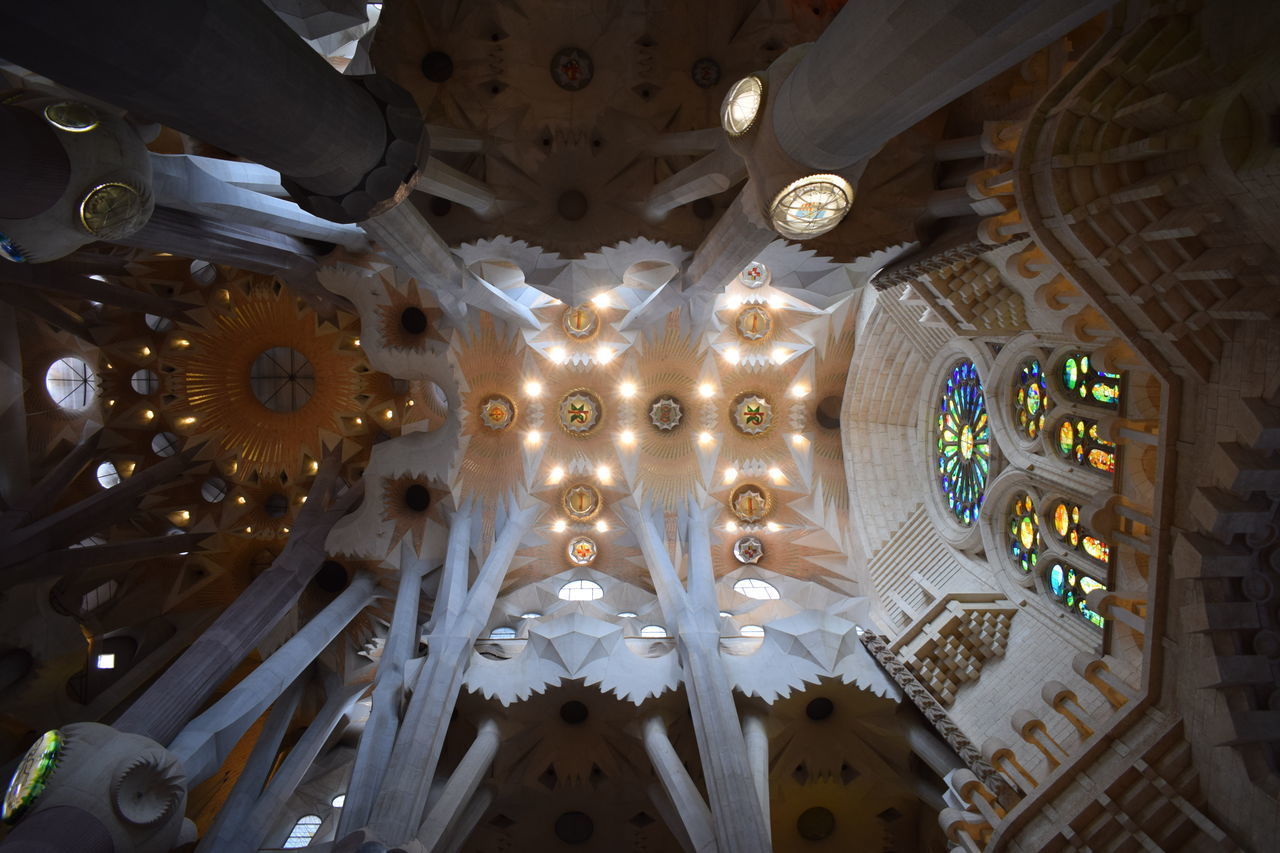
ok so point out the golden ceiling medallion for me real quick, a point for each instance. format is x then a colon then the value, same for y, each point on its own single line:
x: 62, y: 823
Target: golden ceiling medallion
x: 71, y: 116
x: 580, y: 321
x: 113, y: 209
x: 581, y: 502
x: 582, y: 551
x: 751, y: 413
x: 497, y: 412
x: 750, y: 502
x: 580, y: 412
x: 754, y: 323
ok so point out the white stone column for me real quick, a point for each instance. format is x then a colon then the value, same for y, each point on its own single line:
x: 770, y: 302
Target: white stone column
x: 205, y: 742
x: 398, y: 810
x: 757, y: 737
x: 883, y: 65
x: 713, y: 173
x: 690, y: 808
x: 448, y: 809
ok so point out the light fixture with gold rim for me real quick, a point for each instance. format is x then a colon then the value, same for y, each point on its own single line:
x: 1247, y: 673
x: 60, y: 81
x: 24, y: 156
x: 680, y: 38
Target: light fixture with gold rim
x: 742, y: 105
x: 811, y: 206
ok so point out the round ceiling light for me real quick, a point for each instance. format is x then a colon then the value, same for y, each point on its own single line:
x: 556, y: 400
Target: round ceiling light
x: 742, y: 105
x: 811, y: 206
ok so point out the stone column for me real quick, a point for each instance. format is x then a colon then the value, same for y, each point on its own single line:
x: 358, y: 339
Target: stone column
x: 175, y: 697
x: 757, y: 737
x: 883, y: 65
x: 398, y: 811
x: 253, y: 776
x: 692, y: 811
x: 207, y: 740
x: 379, y: 736
x: 467, y: 823
x: 447, y: 809
x: 229, y: 73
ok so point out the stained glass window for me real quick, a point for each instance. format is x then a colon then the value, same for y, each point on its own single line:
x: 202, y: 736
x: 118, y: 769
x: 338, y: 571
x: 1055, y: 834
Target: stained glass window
x: 1069, y: 586
x: 1032, y: 398
x: 302, y: 832
x: 964, y: 442
x: 1024, y: 533
x: 1078, y: 441
x: 1066, y: 524
x: 1090, y: 385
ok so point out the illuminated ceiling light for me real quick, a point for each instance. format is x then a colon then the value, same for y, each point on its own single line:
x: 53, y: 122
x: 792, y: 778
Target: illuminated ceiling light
x: 742, y: 105
x: 533, y: 438
x: 240, y: 499
x: 188, y: 421
x: 731, y: 526
x: 799, y: 390
x: 248, y: 530
x: 313, y: 467
x: 773, y: 526
x: 111, y: 402
x: 558, y: 355
x: 408, y: 402
x: 181, y: 343
x: 732, y: 355
x: 184, y: 514
x: 627, y: 437
x: 532, y: 388
x: 106, y: 662
x: 730, y: 474
x: 604, y: 475
x: 705, y: 438
x: 388, y: 414
x: 734, y: 301
x: 284, y: 530
x: 359, y: 421
x: 530, y: 615
x: 706, y: 389
x: 779, y: 355
x: 602, y: 526
x: 147, y: 414
x: 355, y: 342
x: 556, y: 475
x: 600, y: 300
x: 776, y: 301
x: 775, y: 474
x: 811, y: 206
x: 559, y: 526
x: 146, y: 351
x: 302, y: 499
x: 604, y: 354
x: 798, y: 440
x: 627, y: 389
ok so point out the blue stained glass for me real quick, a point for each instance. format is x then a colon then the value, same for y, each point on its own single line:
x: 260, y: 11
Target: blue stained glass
x: 1056, y: 580
x: 964, y: 442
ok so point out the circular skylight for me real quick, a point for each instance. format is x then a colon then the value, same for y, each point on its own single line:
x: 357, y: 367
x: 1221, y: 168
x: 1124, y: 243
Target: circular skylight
x: 581, y: 591
x: 144, y: 381
x: 164, y: 443
x: 71, y: 384
x: 282, y: 379
x: 107, y: 475
x: 757, y: 589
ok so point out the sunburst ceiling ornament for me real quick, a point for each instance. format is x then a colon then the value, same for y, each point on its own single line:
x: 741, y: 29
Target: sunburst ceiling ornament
x: 497, y: 412
x: 581, y: 502
x: 580, y: 321
x: 665, y: 413
x: 580, y: 412
x: 755, y: 274
x: 750, y: 502
x: 572, y: 68
x: 582, y: 551
x: 754, y: 323
x: 748, y: 549
x: 752, y: 414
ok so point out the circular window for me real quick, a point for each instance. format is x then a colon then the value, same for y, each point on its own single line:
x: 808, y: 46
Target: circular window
x: 653, y: 632
x: 742, y: 105
x: 964, y: 442
x: 71, y: 383
x: 751, y: 631
x: 282, y: 379
x: 276, y: 505
x: 502, y: 632
x: 213, y: 489
x: 574, y: 828
x: 757, y: 589
x: 827, y: 414
x: 811, y: 206
x: 204, y: 272
x: 417, y: 498
x: 164, y: 443
x: 819, y: 708
x: 107, y: 475
x: 574, y: 712
x: 332, y: 576
x: 581, y: 591
x: 144, y: 381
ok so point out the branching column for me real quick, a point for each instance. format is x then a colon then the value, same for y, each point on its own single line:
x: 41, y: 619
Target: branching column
x: 402, y: 799
x: 176, y: 696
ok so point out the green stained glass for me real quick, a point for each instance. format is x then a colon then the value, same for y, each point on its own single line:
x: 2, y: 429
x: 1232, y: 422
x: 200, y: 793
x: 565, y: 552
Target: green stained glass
x: 964, y: 442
